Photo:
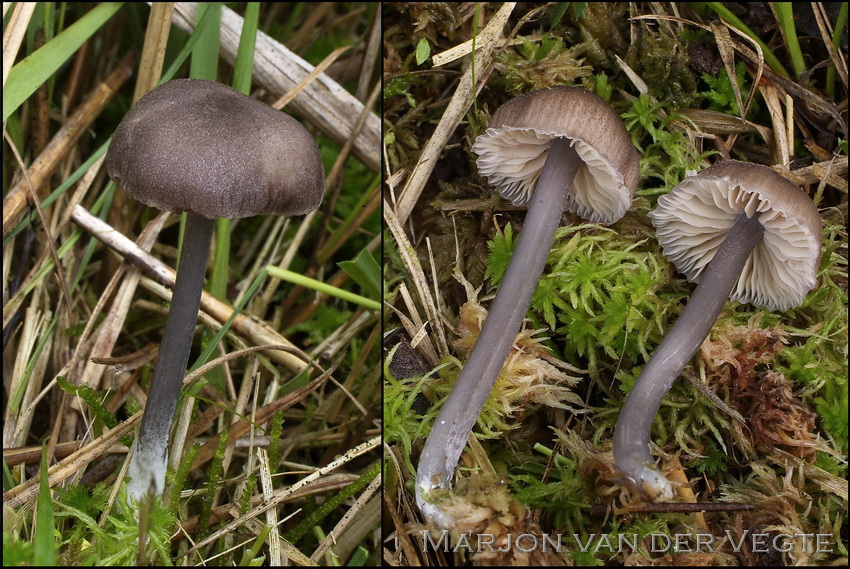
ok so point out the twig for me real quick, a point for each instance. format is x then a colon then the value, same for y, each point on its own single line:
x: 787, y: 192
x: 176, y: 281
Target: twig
x: 667, y: 508
x: 359, y: 450
x: 457, y: 107
x: 254, y: 330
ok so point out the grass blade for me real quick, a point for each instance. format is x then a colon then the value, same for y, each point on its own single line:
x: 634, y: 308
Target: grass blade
x: 45, y: 547
x: 38, y: 67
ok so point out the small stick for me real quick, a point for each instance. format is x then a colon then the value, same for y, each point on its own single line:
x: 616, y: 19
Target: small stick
x: 669, y: 508
x: 165, y: 275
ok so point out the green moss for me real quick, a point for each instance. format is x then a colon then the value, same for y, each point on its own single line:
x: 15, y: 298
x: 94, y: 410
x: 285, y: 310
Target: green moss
x: 544, y: 63
x: 819, y: 362
x: 112, y: 539
x: 720, y: 94
x: 403, y: 423
x: 600, y: 292
x: 712, y: 462
x: 665, y: 66
x: 666, y: 154
x: 606, y: 24
x: 558, y: 493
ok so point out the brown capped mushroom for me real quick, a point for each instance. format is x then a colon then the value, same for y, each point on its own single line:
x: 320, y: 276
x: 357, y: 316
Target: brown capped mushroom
x: 203, y: 148
x: 743, y: 232
x: 555, y: 149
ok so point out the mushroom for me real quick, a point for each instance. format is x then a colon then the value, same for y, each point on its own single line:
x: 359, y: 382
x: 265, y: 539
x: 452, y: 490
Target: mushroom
x: 742, y: 232
x: 554, y: 149
x: 203, y: 148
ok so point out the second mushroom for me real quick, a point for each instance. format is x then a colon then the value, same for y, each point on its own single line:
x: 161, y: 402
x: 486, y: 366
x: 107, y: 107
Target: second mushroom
x: 554, y: 150
x: 743, y: 232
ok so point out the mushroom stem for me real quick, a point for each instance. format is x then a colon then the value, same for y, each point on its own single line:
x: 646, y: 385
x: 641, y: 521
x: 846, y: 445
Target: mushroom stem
x: 475, y: 381
x: 147, y: 467
x: 632, y: 433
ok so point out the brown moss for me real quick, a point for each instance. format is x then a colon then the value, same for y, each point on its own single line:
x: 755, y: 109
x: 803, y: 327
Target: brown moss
x: 529, y: 70
x: 665, y: 66
x: 739, y: 358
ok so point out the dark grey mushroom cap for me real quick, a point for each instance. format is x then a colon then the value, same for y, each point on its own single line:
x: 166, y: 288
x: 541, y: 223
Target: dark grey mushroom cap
x: 202, y: 147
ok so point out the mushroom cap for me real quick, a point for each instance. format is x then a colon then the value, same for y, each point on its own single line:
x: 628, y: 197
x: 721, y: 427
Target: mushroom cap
x: 202, y: 147
x: 512, y: 151
x: 693, y: 219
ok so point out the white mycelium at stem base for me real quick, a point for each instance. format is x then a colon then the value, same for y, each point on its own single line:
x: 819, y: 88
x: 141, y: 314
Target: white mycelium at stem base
x: 759, y: 236
x: 553, y: 150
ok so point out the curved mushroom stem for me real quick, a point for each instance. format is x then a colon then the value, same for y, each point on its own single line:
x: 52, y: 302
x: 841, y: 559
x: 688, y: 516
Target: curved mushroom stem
x: 632, y: 433
x: 460, y: 411
x: 147, y: 467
